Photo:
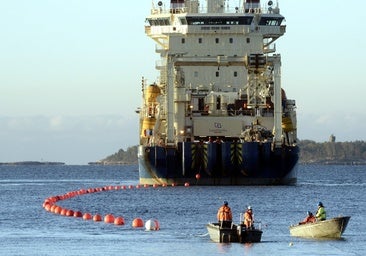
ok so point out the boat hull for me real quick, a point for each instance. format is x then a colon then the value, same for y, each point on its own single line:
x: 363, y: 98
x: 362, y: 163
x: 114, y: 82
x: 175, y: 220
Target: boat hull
x: 223, y: 164
x: 332, y: 228
x: 235, y: 234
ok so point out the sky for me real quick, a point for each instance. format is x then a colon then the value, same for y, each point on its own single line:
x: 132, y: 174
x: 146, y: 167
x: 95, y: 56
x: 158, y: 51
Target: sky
x: 71, y: 70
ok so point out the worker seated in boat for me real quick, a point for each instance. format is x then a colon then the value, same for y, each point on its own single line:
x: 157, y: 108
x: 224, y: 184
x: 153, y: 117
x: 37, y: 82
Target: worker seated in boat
x: 248, y: 218
x: 224, y: 215
x: 310, y: 218
x: 320, y: 213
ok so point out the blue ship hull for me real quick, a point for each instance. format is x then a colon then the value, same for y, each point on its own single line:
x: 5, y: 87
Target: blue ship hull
x: 227, y: 163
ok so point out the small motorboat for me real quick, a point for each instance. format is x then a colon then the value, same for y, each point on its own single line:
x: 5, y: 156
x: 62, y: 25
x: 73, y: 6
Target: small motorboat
x: 332, y: 228
x: 233, y: 234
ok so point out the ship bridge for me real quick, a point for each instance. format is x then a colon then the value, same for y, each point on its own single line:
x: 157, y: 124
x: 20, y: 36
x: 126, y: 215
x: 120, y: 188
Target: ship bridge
x: 188, y: 19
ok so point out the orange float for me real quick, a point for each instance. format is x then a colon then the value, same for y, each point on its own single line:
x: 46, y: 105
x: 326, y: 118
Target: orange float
x: 137, y: 223
x: 78, y: 214
x: 63, y: 211
x: 87, y: 216
x: 82, y: 192
x: 109, y: 218
x: 57, y: 209
x: 53, y: 208
x: 186, y: 184
x: 198, y: 176
x: 119, y: 221
x: 69, y: 213
x: 97, y: 217
x: 47, y: 207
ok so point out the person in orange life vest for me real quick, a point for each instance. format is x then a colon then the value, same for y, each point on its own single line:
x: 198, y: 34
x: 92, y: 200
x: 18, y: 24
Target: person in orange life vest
x: 224, y: 215
x: 248, y: 218
x: 310, y: 218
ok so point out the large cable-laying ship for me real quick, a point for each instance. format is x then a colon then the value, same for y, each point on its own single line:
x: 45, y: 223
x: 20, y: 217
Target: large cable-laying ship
x: 217, y: 114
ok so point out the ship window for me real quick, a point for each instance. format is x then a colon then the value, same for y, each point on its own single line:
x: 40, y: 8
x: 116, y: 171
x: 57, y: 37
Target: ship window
x: 248, y: 40
x: 195, y: 21
x: 247, y: 20
x: 218, y: 102
x: 159, y: 22
x: 200, y: 40
x: 231, y: 40
x: 217, y: 40
x: 201, y: 104
x: 270, y: 21
x: 217, y: 73
x: 183, y: 40
x: 235, y: 73
x: 183, y: 21
x: 164, y: 22
x: 151, y: 22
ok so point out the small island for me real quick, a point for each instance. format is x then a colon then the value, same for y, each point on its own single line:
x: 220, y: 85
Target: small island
x: 32, y: 163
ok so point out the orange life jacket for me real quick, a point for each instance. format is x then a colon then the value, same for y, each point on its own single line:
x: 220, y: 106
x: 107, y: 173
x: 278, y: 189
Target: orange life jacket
x: 224, y: 213
x: 248, y: 215
x: 309, y: 219
x: 248, y: 219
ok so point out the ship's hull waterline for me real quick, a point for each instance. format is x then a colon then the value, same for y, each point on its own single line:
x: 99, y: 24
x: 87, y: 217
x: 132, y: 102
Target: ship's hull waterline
x: 159, y: 165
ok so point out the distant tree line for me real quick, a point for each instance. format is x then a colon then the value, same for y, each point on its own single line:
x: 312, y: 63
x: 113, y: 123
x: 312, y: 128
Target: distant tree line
x: 310, y: 152
x: 333, y: 152
x: 122, y: 157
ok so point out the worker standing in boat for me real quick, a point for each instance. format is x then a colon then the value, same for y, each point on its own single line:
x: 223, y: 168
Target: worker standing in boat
x: 224, y: 215
x: 320, y: 214
x: 248, y: 218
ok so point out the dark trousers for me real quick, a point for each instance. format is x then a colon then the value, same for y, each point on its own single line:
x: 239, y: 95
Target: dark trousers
x: 225, y: 223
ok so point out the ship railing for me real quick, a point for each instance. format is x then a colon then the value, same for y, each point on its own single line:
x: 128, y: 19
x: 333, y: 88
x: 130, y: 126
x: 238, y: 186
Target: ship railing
x: 228, y: 112
x: 159, y: 48
x: 272, y: 31
x: 204, y: 9
x: 155, y: 11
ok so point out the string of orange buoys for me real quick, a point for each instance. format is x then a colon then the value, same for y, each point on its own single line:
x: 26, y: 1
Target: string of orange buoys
x: 50, y: 205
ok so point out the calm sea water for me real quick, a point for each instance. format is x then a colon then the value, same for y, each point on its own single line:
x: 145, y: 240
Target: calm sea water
x: 27, y: 229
